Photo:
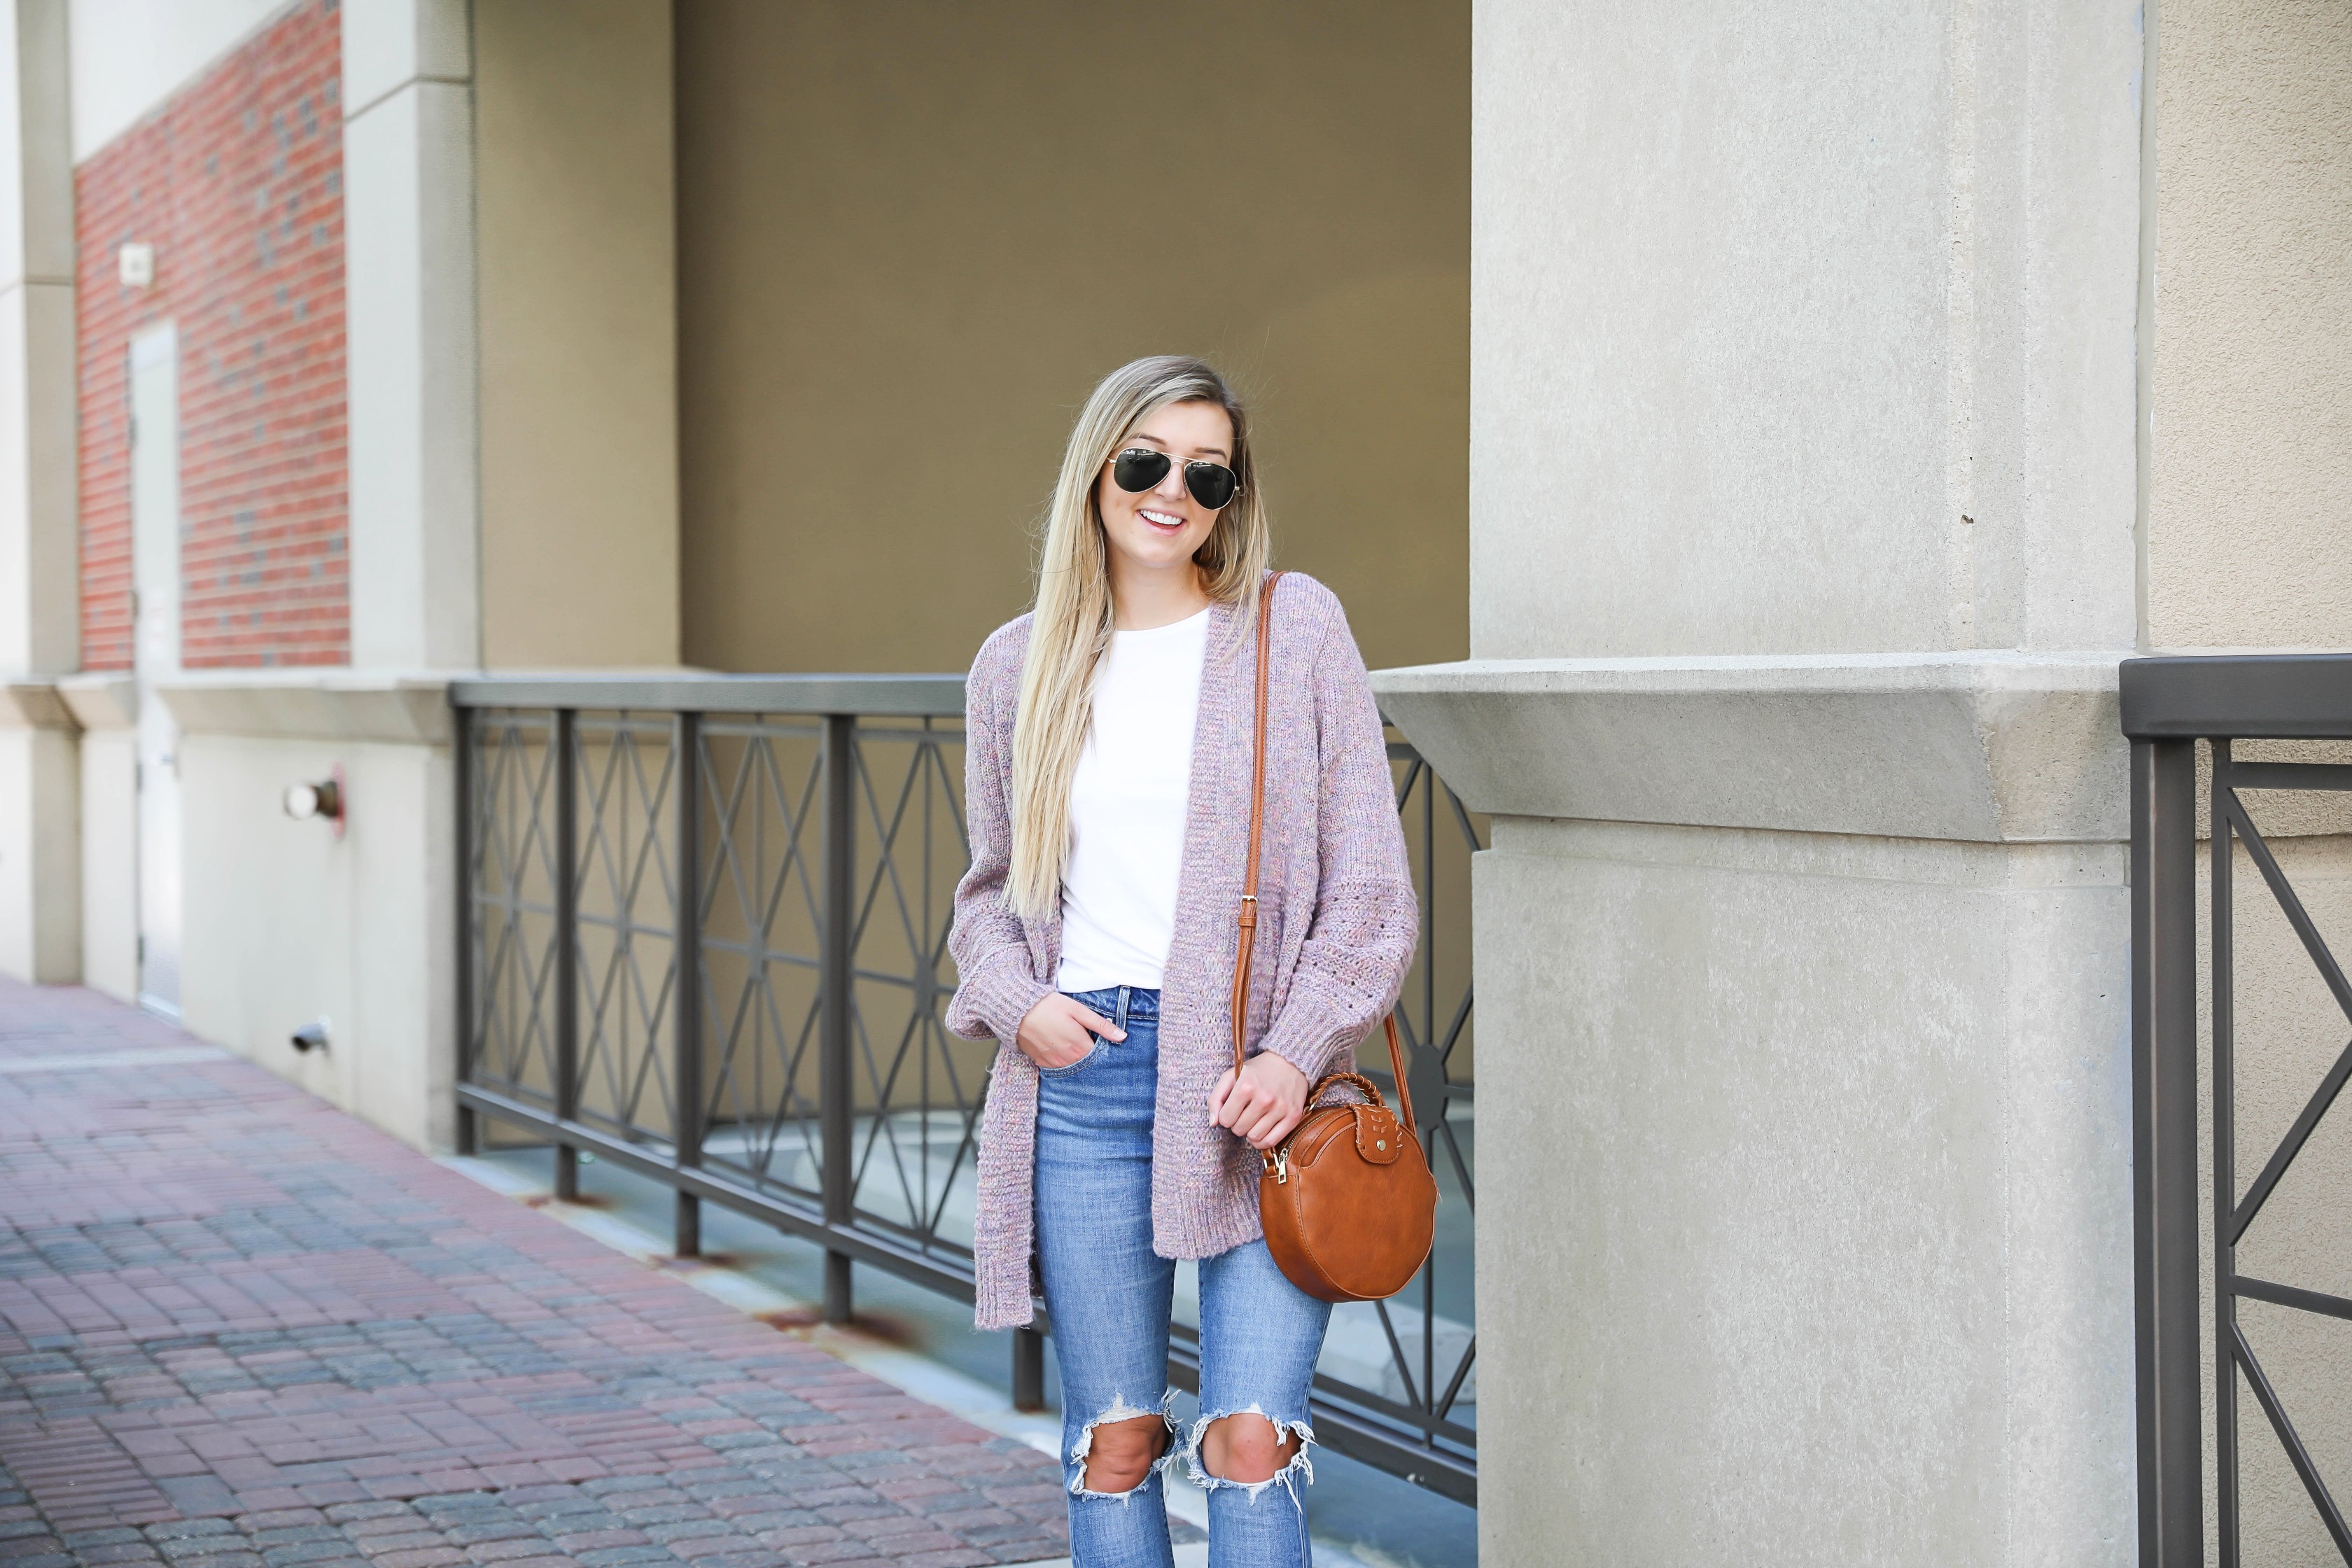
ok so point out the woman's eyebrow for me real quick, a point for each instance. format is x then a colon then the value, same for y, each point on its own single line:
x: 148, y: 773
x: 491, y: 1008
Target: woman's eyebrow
x: 1197, y: 451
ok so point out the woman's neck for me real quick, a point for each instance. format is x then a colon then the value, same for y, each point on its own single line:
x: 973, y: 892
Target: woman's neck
x: 1143, y: 598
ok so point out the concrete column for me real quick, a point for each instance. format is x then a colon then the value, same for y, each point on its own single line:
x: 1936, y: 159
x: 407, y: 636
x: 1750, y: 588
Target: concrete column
x: 408, y: 205
x: 40, y: 620
x: 1803, y: 501
x: 106, y: 705
x: 288, y: 922
x: 40, y: 834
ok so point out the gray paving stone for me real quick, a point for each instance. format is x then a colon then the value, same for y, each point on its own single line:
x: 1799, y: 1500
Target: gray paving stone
x: 113, y: 1535
x: 290, y: 1534
x: 663, y: 1514
x: 491, y: 1530
x: 333, y: 1550
x: 686, y: 1530
x: 206, y: 1550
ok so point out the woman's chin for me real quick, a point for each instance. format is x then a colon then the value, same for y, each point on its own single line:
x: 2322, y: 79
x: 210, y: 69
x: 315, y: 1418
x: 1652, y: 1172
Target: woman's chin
x: 1158, y: 552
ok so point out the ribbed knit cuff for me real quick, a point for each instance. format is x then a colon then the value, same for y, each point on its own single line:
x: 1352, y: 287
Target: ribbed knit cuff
x: 1001, y: 996
x: 1304, y: 1038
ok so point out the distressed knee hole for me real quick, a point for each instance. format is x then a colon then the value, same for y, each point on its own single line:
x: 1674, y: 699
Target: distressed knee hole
x: 1118, y: 1451
x: 1245, y: 1448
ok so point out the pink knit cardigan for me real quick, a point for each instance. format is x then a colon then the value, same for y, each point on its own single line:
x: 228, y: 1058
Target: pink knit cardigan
x: 1336, y: 923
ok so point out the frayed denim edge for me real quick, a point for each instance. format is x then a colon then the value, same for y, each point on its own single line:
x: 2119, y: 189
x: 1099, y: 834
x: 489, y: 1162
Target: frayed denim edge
x: 1120, y: 1410
x: 1299, y: 1467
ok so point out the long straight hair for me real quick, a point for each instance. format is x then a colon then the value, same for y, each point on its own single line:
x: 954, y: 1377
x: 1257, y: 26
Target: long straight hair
x: 1071, y: 628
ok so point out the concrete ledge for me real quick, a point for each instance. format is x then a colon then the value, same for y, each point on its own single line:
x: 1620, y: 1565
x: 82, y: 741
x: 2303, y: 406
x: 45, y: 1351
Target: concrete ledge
x: 1983, y: 747
x: 319, y: 705
x: 31, y: 702
x: 103, y: 699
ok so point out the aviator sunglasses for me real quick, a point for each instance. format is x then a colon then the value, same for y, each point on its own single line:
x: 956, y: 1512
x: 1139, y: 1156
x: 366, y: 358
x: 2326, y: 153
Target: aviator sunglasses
x: 1138, y: 469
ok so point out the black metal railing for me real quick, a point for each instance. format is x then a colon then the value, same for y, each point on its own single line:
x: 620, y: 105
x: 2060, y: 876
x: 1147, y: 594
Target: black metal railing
x: 764, y: 867
x: 2168, y: 706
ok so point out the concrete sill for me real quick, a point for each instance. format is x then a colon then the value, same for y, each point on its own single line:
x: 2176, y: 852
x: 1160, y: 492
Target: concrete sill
x: 31, y: 702
x: 1984, y: 747
x: 326, y: 704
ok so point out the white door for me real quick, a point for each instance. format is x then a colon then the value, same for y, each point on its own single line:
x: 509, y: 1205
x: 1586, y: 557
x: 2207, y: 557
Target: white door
x: 155, y: 631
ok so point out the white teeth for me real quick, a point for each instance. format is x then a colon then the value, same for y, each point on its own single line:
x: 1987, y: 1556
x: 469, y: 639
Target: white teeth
x: 1163, y: 519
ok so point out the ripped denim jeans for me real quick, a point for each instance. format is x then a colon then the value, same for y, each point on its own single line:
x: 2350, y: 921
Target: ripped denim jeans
x: 1110, y: 1298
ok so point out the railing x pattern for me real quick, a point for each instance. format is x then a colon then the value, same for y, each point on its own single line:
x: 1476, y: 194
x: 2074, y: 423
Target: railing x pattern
x: 763, y: 867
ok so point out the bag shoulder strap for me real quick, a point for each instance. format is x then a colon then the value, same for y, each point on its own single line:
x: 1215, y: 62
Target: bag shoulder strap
x: 1247, y: 919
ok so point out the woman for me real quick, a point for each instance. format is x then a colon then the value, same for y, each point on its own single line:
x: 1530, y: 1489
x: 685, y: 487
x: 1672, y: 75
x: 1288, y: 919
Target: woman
x: 1108, y: 767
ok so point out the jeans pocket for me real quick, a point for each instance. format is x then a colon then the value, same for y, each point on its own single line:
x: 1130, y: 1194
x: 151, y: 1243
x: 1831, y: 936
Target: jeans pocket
x: 1068, y: 1068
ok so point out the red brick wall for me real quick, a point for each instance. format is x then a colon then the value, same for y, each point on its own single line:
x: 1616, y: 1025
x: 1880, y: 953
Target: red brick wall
x: 237, y: 182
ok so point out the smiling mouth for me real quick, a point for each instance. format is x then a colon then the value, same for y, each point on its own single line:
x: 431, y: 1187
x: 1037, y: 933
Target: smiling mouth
x: 1166, y: 521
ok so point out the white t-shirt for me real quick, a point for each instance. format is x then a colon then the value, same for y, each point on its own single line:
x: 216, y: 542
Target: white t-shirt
x: 1128, y: 801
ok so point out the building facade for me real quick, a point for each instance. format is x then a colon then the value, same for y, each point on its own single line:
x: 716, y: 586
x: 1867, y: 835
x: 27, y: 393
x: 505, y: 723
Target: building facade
x: 1850, y: 388
x: 1747, y: 442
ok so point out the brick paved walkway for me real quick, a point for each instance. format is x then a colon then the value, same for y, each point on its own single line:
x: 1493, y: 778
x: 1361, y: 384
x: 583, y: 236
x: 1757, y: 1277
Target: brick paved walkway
x: 238, y: 1328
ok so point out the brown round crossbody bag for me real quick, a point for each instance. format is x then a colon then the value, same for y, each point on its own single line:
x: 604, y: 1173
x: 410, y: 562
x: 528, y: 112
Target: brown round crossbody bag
x: 1346, y: 1200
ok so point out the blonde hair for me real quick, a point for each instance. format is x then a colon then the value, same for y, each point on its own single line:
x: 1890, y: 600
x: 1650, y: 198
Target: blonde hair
x: 1070, y: 629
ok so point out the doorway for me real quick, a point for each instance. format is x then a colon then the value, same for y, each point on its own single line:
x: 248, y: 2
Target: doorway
x: 155, y: 655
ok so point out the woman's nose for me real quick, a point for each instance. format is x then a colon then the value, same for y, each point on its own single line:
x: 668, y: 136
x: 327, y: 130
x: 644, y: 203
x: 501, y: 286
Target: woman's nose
x: 1171, y: 486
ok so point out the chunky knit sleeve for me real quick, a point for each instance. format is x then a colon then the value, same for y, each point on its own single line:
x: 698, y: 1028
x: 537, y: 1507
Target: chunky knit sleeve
x: 997, y: 982
x: 1366, y: 923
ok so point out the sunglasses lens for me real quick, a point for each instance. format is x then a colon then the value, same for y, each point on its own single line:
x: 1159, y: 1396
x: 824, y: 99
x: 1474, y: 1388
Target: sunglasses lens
x: 1138, y: 469
x: 1211, y: 484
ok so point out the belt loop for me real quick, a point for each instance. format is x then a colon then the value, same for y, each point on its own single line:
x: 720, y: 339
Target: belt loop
x: 1124, y: 993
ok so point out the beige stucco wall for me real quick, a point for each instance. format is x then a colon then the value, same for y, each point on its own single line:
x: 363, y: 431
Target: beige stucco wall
x: 911, y: 236
x: 2250, y: 506
x: 578, y: 333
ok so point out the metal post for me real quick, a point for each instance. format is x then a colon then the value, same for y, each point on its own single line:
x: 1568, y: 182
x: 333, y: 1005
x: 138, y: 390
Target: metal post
x: 567, y: 952
x: 686, y: 960
x: 461, y: 758
x: 1428, y: 1042
x: 1028, y: 1369
x: 836, y: 1089
x: 2164, y: 1150
x: 2225, y: 1180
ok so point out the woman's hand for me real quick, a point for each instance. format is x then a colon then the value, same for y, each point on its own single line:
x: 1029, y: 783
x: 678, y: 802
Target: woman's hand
x: 1057, y: 1032
x: 1262, y: 1103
